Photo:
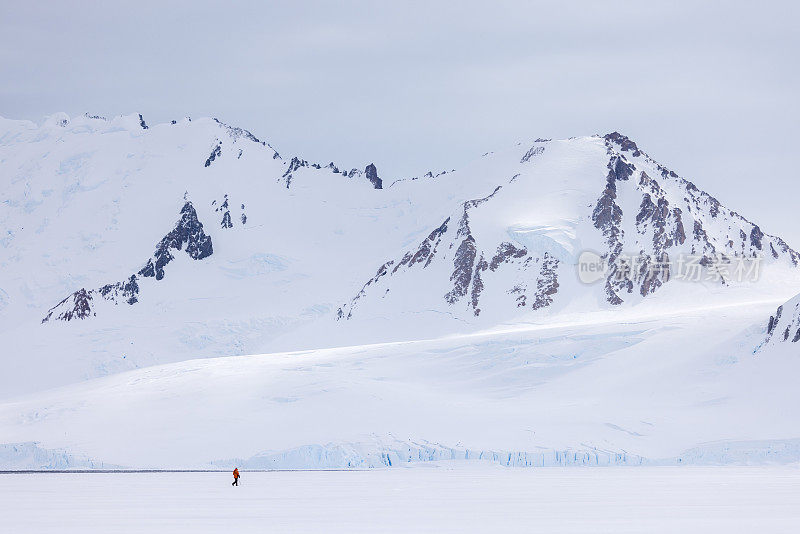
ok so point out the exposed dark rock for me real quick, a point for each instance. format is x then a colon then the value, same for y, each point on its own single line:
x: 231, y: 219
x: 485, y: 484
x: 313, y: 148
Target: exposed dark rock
x: 678, y: 235
x: 188, y: 232
x: 707, y: 247
x: 784, y: 248
x: 659, y: 217
x: 646, y: 210
x: 533, y: 151
x: 620, y: 169
x: 506, y: 251
x: 77, y: 306
x: 295, y: 164
x: 464, y: 263
x: 426, y: 250
x: 653, y: 273
x: 372, y: 175
x: 478, y: 201
x: 792, y: 329
x: 624, y: 143
x: 226, y: 214
x: 546, y: 283
x: 714, y: 207
x: 217, y: 152
x: 773, y: 320
x: 236, y: 133
x: 611, y: 294
x: 756, y: 235
x: 607, y: 216
x: 142, y: 123
x: 127, y: 290
x: 477, y: 285
x: 522, y: 298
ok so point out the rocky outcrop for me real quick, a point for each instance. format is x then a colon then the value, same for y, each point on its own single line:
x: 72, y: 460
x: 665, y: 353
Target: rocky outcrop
x: 625, y: 144
x: 784, y: 326
x: 477, y: 285
x: 607, y: 217
x: 76, y: 306
x: 127, y: 291
x: 505, y: 252
x: 236, y: 133
x: 546, y: 283
x: 423, y: 254
x: 187, y: 235
x: 640, y: 263
x: 471, y: 266
x: 533, y: 151
x: 294, y: 164
x: 370, y: 172
x: 426, y: 250
x: 215, y: 153
x: 756, y: 235
x: 372, y: 175
x: 224, y: 208
x: 463, y: 263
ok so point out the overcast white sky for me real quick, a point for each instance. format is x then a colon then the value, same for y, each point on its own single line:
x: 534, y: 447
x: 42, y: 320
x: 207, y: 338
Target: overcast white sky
x: 709, y: 89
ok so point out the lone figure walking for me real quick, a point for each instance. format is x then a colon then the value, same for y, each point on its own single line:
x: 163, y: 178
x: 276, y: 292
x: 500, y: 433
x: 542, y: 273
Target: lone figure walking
x: 235, y: 476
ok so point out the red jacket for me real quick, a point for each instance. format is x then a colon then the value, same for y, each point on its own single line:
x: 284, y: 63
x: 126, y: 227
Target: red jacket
x: 236, y: 473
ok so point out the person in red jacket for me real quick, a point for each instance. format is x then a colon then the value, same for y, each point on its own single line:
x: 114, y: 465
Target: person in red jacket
x: 235, y: 476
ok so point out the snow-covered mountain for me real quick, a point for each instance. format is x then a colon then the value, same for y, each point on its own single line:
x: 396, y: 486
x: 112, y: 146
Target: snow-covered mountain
x: 519, y: 245
x: 402, y: 319
x: 126, y: 244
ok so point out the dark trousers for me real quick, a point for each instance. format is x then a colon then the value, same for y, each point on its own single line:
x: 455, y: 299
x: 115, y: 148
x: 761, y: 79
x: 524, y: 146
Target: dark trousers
x: 235, y: 481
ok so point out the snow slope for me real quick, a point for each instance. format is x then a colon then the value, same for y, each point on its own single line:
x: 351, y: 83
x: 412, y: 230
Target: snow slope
x: 685, y: 388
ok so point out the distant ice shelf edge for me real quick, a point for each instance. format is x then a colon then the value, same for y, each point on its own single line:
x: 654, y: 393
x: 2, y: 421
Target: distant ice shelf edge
x: 360, y: 455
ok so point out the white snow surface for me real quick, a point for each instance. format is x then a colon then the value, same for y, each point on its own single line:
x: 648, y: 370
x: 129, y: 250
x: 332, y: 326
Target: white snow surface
x: 678, y: 389
x: 239, y: 357
x: 436, y: 500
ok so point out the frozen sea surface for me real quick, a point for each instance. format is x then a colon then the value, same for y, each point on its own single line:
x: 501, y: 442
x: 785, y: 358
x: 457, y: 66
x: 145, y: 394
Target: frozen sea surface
x: 436, y: 499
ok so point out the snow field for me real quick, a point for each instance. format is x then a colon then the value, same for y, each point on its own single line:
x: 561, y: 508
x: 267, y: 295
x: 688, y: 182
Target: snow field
x: 436, y: 499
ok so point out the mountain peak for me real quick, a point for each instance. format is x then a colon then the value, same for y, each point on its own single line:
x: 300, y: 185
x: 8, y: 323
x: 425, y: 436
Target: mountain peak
x: 624, y: 142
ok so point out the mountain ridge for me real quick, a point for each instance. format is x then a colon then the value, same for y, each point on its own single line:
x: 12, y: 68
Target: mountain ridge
x: 497, y: 241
